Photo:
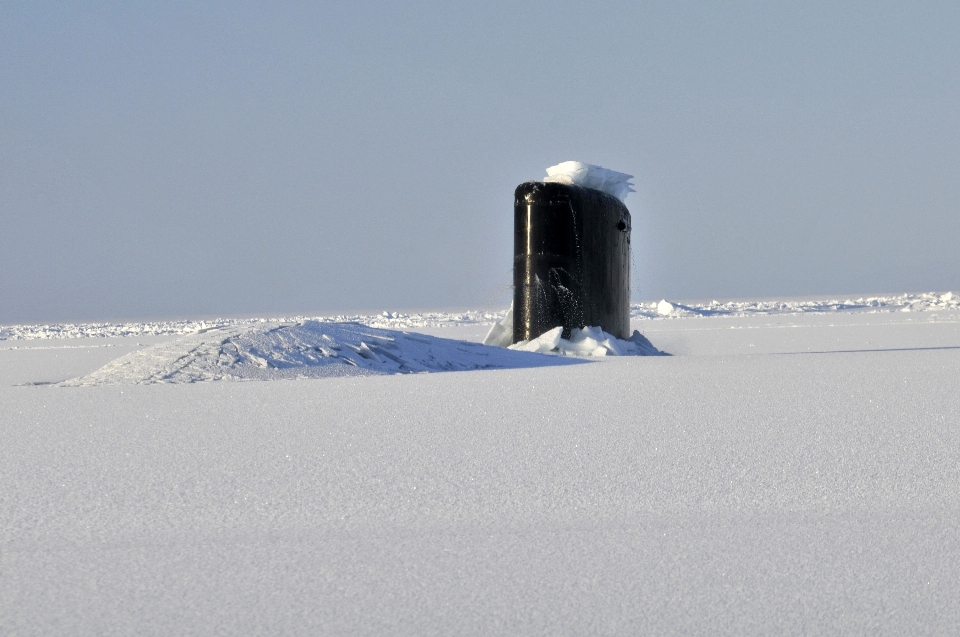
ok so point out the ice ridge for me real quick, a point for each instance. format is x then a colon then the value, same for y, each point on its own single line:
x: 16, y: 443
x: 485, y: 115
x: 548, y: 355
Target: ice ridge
x: 308, y: 349
x: 925, y: 302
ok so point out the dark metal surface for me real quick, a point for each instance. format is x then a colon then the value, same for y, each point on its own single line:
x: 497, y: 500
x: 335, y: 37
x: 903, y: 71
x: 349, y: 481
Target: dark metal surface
x: 571, y: 260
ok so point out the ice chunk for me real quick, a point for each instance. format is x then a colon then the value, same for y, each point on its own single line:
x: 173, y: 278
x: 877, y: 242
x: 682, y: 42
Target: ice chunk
x: 613, y: 346
x: 544, y: 343
x: 575, y: 173
x: 581, y: 343
x: 642, y: 345
x: 365, y: 351
x: 584, y: 347
x: 664, y: 307
x: 594, y: 333
x: 501, y: 334
x: 588, y: 341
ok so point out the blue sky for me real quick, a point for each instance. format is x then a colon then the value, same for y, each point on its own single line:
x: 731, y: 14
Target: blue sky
x: 244, y: 158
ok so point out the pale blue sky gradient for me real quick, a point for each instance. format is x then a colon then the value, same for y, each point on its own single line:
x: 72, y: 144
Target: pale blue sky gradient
x: 238, y: 158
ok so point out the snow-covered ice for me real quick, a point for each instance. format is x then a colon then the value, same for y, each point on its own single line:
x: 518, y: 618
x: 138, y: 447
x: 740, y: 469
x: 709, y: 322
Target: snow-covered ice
x: 793, y: 468
x: 307, y: 349
x: 665, y: 308
x: 575, y: 173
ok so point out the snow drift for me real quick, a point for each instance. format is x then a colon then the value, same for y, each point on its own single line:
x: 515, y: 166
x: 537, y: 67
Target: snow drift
x: 308, y: 349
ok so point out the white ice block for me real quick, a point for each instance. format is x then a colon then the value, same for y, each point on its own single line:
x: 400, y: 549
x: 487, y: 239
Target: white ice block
x: 577, y: 173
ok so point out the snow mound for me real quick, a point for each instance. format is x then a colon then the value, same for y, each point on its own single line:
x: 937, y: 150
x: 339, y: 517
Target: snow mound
x: 589, y: 341
x: 309, y: 349
x: 575, y: 173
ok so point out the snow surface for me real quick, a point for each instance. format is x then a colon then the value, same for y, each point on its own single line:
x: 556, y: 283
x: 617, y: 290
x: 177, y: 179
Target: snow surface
x: 792, y: 469
x: 575, y: 173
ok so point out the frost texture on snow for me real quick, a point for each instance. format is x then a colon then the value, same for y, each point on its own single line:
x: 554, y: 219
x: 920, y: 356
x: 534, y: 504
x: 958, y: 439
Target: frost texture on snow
x: 308, y: 349
x: 575, y: 173
x: 927, y: 302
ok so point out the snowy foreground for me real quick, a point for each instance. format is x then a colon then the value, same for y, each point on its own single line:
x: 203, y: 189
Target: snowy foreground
x: 792, y: 468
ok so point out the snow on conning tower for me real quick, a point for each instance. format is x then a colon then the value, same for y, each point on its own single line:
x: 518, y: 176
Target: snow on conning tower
x: 572, y: 252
